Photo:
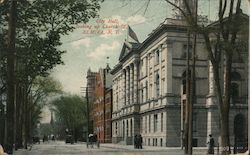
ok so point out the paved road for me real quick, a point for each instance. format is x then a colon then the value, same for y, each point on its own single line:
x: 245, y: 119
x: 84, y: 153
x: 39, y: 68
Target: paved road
x: 60, y: 148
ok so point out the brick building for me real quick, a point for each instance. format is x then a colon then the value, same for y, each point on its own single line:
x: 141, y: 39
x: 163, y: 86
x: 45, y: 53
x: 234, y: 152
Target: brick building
x: 102, y: 107
x: 91, y: 83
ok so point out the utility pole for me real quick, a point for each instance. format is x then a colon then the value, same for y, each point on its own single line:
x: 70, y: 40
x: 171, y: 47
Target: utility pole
x: 187, y: 96
x: 249, y: 82
x: 87, y: 99
x: 87, y: 91
x: 11, y: 92
x: 104, y: 101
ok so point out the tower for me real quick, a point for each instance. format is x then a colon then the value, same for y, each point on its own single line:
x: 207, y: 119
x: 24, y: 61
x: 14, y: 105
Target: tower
x: 181, y: 4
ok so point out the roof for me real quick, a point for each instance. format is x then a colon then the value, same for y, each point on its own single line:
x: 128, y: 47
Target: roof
x: 127, y: 48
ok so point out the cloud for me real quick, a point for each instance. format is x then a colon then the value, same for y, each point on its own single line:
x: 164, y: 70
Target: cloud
x: 104, y: 50
x: 83, y: 42
x: 136, y: 19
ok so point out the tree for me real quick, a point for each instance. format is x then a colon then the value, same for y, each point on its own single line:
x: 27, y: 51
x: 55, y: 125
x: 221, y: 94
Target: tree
x: 221, y: 41
x: 72, y: 112
x: 35, y: 29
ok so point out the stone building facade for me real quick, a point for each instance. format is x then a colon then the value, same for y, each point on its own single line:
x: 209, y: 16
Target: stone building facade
x: 149, y: 91
x: 108, y: 115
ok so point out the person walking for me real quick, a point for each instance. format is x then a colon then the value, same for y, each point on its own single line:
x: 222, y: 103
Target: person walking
x: 135, y: 142
x: 140, y: 141
x: 211, y: 145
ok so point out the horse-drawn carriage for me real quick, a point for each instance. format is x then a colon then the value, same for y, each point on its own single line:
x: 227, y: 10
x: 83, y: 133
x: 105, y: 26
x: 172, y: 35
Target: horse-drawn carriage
x: 92, y: 140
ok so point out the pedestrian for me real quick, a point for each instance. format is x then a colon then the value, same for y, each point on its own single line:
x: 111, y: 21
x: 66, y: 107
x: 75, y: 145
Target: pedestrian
x: 211, y: 145
x: 135, y: 142
x: 140, y: 141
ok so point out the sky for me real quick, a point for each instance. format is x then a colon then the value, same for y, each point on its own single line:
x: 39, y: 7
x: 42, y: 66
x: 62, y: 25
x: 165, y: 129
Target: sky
x: 89, y: 45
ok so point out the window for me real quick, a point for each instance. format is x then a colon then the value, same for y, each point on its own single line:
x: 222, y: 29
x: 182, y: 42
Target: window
x: 142, y: 63
x: 149, y: 142
x: 163, y: 86
x: 123, y: 129
x: 155, y: 122
x: 157, y: 85
x: 149, y: 123
x: 235, y: 87
x: 150, y: 90
x: 161, y: 122
x: 142, y: 94
x: 157, y: 57
x: 184, y: 83
x: 131, y: 127
x: 184, y: 86
x: 146, y: 122
x: 127, y: 128
x: 161, y: 142
x: 146, y: 90
x: 194, y: 122
x: 185, y: 50
x: 235, y: 91
x: 116, y: 128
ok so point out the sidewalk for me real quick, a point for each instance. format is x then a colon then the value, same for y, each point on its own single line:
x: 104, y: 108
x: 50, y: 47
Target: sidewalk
x: 129, y: 148
x: 120, y: 146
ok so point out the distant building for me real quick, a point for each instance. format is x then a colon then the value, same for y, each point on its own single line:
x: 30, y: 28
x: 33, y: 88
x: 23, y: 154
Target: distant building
x: 108, y: 115
x: 102, y: 106
x: 91, y: 83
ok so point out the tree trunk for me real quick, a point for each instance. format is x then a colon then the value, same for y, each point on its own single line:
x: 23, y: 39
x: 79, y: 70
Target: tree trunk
x: 11, y: 75
x: 225, y: 142
x: 249, y: 79
x: 224, y: 132
x: 19, y: 113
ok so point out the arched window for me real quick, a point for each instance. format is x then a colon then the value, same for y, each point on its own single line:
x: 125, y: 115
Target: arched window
x: 157, y: 83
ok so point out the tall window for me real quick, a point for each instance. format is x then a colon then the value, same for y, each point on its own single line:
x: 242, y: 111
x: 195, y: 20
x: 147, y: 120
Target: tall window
x: 142, y: 94
x: 155, y: 122
x: 116, y: 128
x: 131, y: 127
x: 146, y: 90
x: 194, y: 122
x: 184, y: 86
x: 117, y: 100
x: 157, y: 57
x: 235, y: 87
x: 184, y: 83
x: 149, y: 123
x: 235, y: 91
x: 161, y: 122
x: 142, y: 67
x: 157, y: 85
x: 146, y: 122
x: 127, y: 128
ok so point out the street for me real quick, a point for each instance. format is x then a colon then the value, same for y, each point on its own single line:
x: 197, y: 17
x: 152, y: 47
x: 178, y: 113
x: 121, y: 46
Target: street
x: 60, y: 148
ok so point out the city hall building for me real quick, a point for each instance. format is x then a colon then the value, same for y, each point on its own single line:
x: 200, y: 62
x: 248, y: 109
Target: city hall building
x: 149, y: 91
